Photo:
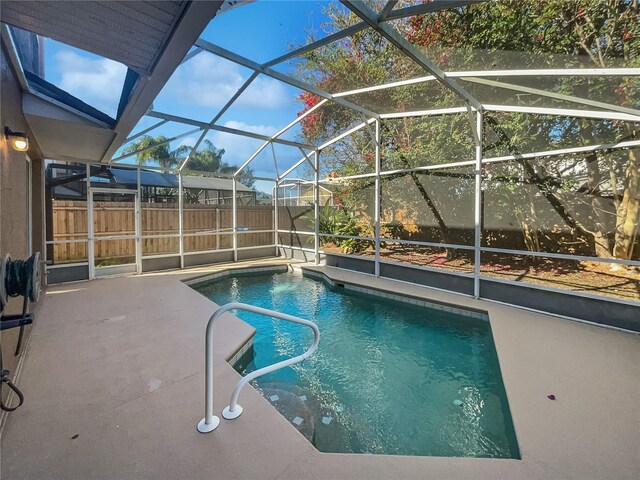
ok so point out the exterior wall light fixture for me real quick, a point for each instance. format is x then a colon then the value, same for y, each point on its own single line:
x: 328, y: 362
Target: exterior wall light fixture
x: 18, y: 140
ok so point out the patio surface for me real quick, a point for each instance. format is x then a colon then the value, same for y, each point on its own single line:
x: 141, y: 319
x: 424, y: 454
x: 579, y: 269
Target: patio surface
x: 120, y: 363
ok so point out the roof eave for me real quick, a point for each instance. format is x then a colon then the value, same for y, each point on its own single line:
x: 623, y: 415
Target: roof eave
x: 194, y: 20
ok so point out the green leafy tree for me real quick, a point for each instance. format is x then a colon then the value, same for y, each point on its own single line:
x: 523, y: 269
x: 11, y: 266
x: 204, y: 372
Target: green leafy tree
x: 595, y: 198
x: 153, y: 151
x: 207, y: 158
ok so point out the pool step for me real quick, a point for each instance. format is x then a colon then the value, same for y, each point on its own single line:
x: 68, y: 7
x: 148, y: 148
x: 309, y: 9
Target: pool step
x: 293, y: 408
x: 305, y: 412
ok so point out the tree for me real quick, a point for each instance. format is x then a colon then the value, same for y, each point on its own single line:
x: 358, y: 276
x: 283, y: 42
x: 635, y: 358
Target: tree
x: 158, y: 153
x: 207, y: 158
x: 565, y: 34
x: 499, y: 35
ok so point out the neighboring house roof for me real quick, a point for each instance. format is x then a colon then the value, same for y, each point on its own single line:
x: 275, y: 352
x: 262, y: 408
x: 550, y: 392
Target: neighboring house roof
x: 63, y: 174
x: 212, y: 183
x: 126, y: 176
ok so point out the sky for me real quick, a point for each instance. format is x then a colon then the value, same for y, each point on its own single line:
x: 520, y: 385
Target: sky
x: 260, y: 31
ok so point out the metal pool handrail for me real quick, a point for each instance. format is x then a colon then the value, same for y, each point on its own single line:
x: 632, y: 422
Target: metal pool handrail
x: 210, y: 422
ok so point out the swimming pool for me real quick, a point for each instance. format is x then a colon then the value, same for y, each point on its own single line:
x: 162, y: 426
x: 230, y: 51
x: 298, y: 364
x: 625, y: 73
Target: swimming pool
x: 388, y: 377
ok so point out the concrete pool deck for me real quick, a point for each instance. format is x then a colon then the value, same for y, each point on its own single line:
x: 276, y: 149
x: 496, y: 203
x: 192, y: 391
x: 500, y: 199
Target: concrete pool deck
x: 119, y: 362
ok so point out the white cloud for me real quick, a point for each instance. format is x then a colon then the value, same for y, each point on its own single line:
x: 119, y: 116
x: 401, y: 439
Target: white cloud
x: 239, y: 148
x: 264, y: 93
x: 97, y: 82
x: 259, y: 129
x: 189, y: 141
x: 210, y: 81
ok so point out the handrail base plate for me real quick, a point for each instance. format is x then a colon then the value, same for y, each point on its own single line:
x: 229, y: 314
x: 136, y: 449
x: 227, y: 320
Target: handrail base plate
x: 206, y: 428
x: 229, y: 415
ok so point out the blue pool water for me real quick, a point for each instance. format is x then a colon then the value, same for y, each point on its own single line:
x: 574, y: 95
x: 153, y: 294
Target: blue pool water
x: 388, y: 377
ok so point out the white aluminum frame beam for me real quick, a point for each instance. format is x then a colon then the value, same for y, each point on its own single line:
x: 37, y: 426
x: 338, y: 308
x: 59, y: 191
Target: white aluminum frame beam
x: 385, y: 86
x: 280, y: 132
x: 429, y: 7
x: 222, y: 111
x: 425, y: 113
x: 557, y: 96
x: 226, y: 107
x: 468, y: 77
x: 358, y: 27
x: 390, y: 5
x: 159, y: 144
x: 549, y: 72
x: 145, y: 131
x: 220, y: 128
x: 565, y: 151
x: 292, y: 168
x: 377, y: 200
x: 334, y: 37
x: 563, y: 112
x: 300, y: 118
x: 275, y: 160
x: 245, y: 62
x: 477, y: 133
x: 193, y: 149
x: 370, y: 17
x: 190, y: 55
x: 580, y: 72
x: 346, y: 134
x: 193, y: 21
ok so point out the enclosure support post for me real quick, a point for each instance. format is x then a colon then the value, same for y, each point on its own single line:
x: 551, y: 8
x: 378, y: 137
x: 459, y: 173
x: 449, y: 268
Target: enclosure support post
x: 180, y: 219
x: 91, y: 245
x: 478, y: 206
x: 138, y: 222
x: 275, y: 216
x: 316, y: 204
x: 377, y: 202
x: 234, y: 207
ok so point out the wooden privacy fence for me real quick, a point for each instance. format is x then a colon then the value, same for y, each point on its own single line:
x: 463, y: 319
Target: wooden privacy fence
x: 205, y: 227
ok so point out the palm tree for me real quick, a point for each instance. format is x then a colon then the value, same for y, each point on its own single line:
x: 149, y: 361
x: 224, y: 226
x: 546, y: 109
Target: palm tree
x: 160, y: 153
x: 207, y: 158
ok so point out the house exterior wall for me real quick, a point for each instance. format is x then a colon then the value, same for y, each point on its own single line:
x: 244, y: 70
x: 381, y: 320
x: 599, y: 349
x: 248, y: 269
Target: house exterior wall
x: 14, y: 202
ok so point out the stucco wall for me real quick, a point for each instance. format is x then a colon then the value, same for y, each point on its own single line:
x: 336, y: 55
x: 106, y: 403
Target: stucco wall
x: 14, y: 204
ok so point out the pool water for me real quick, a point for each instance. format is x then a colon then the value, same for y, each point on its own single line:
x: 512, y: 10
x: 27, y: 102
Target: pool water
x: 388, y: 377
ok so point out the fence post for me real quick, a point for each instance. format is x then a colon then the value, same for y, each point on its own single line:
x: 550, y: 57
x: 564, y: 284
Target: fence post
x: 217, y: 227
x: 180, y: 219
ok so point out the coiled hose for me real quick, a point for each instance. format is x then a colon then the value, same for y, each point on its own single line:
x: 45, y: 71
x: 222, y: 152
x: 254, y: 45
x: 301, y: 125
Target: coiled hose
x: 17, y: 278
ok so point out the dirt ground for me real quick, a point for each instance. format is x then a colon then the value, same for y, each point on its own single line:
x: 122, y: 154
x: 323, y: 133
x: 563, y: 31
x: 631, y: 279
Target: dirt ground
x: 591, y: 277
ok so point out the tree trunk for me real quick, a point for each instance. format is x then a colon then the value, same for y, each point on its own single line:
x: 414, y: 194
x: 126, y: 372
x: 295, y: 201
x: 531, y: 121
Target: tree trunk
x: 444, y: 230
x: 529, y: 226
x: 599, y: 207
x: 627, y: 212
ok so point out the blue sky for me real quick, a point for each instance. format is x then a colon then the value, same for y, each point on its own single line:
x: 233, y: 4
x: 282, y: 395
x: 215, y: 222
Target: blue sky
x: 260, y: 31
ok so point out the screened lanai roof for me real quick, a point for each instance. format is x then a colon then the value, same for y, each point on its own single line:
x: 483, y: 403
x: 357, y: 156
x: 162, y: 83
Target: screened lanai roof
x: 226, y: 78
x: 90, y: 70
